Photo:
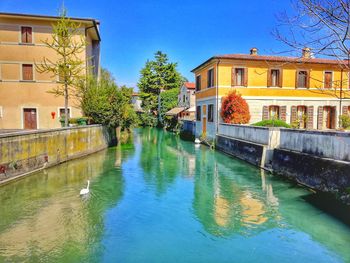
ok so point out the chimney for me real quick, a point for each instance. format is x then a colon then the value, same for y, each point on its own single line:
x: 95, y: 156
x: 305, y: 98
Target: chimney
x: 254, y: 51
x: 306, y: 52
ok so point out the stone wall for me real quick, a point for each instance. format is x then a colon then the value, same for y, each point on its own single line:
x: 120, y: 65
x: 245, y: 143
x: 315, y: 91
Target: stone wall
x: 332, y: 144
x: 247, y: 151
x: 27, y: 151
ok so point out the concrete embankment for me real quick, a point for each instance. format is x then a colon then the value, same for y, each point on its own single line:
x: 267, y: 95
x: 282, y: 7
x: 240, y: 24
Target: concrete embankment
x: 319, y: 160
x: 25, y: 152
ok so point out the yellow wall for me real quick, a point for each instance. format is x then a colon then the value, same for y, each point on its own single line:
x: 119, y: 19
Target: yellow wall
x: 257, y: 79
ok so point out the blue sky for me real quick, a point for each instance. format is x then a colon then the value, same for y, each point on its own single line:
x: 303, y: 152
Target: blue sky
x: 188, y: 31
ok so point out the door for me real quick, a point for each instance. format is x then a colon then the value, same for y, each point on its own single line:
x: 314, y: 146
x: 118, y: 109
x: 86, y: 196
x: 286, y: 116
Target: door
x: 204, y: 126
x: 29, y: 118
x: 329, y: 117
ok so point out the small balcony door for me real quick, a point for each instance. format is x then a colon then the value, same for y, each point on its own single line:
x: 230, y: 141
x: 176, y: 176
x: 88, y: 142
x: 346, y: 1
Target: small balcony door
x: 29, y: 118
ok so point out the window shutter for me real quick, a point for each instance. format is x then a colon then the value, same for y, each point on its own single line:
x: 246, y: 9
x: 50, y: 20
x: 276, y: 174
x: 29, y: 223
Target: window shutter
x: 245, y: 77
x: 283, y: 113
x: 320, y: 118
x: 265, y: 113
x: 233, y: 77
x: 269, y: 78
x: 293, y: 115
x: 310, y: 117
x: 345, y: 110
x: 23, y: 35
x: 29, y: 35
x: 296, y: 78
x: 280, y: 81
x: 308, y: 79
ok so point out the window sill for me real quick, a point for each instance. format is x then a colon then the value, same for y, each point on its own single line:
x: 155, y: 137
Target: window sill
x: 30, y: 81
x: 239, y: 86
x: 302, y: 88
x: 26, y: 44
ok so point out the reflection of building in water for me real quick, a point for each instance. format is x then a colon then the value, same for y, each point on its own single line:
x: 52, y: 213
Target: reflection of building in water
x: 49, y: 215
x: 267, y: 188
x: 253, y: 211
x: 226, y: 203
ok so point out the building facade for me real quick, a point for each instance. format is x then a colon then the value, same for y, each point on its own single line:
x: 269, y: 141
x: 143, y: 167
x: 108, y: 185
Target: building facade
x: 25, y: 102
x: 185, y: 108
x: 307, y: 90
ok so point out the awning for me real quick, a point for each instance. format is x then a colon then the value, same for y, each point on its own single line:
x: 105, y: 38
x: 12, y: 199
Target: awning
x: 175, y: 111
x: 192, y: 109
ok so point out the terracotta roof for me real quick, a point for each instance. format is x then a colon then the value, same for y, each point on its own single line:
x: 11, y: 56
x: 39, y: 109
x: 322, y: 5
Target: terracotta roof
x: 190, y: 85
x: 273, y: 59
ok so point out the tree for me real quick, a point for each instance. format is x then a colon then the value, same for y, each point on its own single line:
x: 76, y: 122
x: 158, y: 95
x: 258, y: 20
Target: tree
x: 322, y: 26
x: 168, y: 101
x: 106, y: 103
x: 157, y: 76
x: 68, y: 43
x: 234, y: 109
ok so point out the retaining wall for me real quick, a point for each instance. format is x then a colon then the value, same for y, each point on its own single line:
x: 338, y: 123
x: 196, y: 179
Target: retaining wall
x: 332, y: 144
x: 27, y: 151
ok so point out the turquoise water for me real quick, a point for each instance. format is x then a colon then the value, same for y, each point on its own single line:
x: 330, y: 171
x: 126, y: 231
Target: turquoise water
x: 161, y: 199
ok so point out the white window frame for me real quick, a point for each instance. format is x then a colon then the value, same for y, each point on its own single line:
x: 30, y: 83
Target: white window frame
x: 20, y: 35
x: 21, y: 72
x: 58, y: 112
x: 324, y: 78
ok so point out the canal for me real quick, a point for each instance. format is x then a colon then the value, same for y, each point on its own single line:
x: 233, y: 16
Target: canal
x: 160, y: 199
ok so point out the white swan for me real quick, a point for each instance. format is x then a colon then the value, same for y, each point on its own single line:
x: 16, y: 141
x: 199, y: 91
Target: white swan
x: 84, y: 191
x: 197, y: 141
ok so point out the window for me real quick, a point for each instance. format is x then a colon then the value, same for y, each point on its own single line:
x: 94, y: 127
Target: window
x: 328, y: 80
x: 239, y: 74
x: 62, y: 112
x: 210, y: 78
x: 26, y: 34
x: 183, y: 98
x: 275, y: 78
x: 198, y: 113
x: 274, y: 112
x: 210, y: 113
x: 198, y: 83
x: 302, y: 79
x: 27, y: 72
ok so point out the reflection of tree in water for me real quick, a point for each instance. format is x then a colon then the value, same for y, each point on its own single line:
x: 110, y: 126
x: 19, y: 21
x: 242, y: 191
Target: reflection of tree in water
x: 160, y: 165
x: 43, y: 216
x: 224, y: 204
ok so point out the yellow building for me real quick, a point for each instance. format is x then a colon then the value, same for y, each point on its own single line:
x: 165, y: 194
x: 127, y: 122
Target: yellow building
x: 304, y: 90
x: 24, y: 99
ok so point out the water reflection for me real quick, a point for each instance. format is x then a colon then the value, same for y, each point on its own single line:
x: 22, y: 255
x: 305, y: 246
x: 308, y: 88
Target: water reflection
x: 163, y: 200
x: 43, y: 218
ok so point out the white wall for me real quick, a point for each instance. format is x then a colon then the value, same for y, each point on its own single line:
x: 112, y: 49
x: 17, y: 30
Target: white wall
x: 211, y: 127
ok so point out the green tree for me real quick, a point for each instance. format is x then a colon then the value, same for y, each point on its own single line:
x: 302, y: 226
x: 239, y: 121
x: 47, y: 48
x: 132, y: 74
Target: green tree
x: 68, y: 42
x: 157, y: 76
x: 106, y: 103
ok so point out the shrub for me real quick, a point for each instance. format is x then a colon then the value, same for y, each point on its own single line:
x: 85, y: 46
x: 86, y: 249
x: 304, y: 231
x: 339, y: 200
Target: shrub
x: 344, y: 121
x: 234, y: 109
x: 272, y: 123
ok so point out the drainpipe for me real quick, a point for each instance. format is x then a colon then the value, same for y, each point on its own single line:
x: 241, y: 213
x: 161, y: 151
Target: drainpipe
x: 217, y: 96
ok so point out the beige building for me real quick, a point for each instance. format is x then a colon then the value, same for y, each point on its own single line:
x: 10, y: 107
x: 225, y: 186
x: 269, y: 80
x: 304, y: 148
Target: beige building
x: 24, y: 99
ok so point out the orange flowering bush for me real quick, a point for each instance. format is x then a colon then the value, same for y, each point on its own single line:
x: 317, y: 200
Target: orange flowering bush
x: 234, y: 109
